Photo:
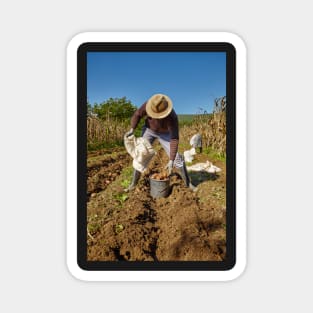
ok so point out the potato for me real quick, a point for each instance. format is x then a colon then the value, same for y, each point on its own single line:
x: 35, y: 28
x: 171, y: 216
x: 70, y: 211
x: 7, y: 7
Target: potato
x: 160, y: 176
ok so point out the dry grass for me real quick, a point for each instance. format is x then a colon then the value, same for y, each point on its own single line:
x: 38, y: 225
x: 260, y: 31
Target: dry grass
x: 108, y: 131
x: 212, y: 127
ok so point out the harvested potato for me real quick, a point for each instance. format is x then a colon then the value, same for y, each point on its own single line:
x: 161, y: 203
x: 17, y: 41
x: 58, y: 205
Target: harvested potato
x: 160, y: 176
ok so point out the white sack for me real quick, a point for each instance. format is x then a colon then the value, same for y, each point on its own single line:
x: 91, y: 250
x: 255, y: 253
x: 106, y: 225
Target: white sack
x: 188, y: 155
x: 196, y: 141
x: 206, y: 167
x: 140, y: 150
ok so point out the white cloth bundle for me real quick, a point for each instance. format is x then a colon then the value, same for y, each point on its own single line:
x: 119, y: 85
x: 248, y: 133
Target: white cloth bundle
x: 188, y: 155
x: 196, y: 141
x: 140, y: 150
x: 206, y: 167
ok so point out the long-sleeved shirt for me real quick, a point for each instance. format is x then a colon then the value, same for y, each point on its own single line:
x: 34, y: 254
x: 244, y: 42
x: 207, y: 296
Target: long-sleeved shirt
x: 169, y: 124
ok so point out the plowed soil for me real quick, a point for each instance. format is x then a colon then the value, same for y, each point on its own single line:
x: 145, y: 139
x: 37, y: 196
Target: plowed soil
x: 133, y: 226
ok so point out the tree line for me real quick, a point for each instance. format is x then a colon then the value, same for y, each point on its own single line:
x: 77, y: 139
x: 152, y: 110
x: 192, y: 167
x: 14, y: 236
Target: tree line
x: 117, y: 109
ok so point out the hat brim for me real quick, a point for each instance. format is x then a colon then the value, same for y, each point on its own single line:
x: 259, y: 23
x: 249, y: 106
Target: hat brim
x: 163, y: 114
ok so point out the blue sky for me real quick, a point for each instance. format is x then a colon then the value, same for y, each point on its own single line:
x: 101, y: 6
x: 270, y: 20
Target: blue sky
x: 191, y: 79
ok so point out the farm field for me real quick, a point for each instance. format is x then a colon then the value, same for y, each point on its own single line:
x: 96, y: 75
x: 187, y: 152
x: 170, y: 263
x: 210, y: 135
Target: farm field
x: 185, y: 226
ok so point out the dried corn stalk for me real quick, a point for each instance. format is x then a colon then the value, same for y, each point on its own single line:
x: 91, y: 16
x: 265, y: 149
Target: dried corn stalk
x: 212, y: 127
x: 108, y: 131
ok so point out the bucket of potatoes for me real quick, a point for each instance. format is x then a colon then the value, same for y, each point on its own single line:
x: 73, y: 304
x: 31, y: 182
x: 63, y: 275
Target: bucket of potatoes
x: 159, y: 184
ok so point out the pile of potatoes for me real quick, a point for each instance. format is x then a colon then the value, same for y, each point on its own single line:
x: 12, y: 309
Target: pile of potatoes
x: 160, y: 176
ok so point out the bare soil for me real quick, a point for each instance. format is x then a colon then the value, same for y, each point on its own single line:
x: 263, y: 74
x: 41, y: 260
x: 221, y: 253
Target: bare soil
x: 133, y: 226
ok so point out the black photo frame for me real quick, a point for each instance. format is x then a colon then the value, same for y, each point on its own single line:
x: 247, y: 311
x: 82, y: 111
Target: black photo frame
x: 159, y: 47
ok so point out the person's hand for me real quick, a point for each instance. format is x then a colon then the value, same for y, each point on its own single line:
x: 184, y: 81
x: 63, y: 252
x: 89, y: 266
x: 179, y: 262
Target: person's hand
x: 169, y: 167
x: 129, y: 133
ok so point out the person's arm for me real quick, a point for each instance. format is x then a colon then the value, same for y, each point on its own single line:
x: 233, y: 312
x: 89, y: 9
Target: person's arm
x: 174, y: 132
x: 139, y: 113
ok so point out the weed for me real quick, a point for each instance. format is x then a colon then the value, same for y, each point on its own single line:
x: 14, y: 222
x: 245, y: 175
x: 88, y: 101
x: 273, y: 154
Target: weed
x: 213, y: 154
x: 126, y: 176
x: 121, y: 198
x: 125, y: 183
x: 118, y: 228
x: 127, y: 172
x: 94, y: 223
x: 94, y: 146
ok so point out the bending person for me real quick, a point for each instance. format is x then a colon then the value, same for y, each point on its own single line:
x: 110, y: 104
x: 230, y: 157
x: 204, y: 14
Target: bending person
x: 161, y: 123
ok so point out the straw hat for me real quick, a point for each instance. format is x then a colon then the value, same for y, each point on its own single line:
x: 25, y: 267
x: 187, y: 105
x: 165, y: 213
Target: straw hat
x: 159, y: 106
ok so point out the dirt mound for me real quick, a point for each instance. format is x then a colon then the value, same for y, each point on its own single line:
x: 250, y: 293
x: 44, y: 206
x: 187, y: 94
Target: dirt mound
x: 103, y: 170
x: 185, y: 226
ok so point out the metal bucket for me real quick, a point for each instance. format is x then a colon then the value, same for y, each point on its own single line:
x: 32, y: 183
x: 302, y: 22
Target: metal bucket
x: 159, y: 188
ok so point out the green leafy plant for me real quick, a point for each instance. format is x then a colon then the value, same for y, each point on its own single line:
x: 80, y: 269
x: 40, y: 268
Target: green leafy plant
x: 94, y: 223
x: 118, y: 228
x: 121, y: 198
x: 125, y: 183
x: 126, y: 175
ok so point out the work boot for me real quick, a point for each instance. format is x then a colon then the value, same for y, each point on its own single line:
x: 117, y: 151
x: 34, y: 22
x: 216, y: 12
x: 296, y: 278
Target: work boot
x: 135, y: 179
x: 184, y: 175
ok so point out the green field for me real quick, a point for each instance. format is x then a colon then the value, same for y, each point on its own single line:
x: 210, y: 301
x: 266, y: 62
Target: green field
x: 185, y: 119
